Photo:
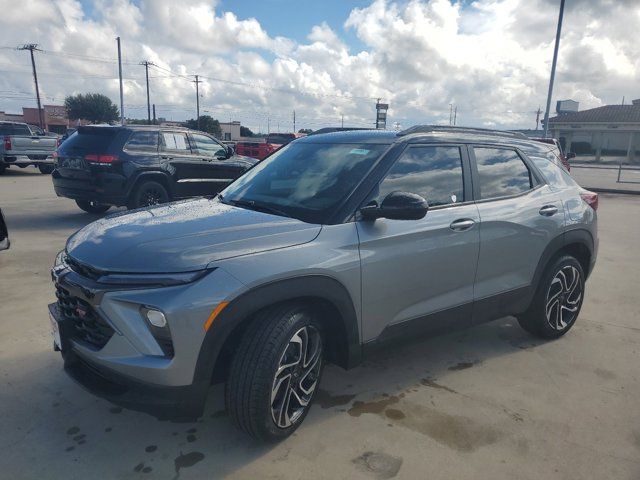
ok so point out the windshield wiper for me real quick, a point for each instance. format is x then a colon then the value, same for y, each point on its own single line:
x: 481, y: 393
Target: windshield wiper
x: 252, y: 205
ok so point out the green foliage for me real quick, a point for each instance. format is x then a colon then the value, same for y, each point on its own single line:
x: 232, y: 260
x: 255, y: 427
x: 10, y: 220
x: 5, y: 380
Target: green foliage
x: 93, y: 107
x: 207, y: 125
x: 245, y: 132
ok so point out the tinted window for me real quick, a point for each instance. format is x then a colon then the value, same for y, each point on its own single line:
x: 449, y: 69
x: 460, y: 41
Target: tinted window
x: 501, y: 172
x: 14, y: 129
x: 208, y: 146
x: 434, y: 173
x: 306, y: 180
x: 147, y: 141
x: 89, y: 140
x: 175, y: 141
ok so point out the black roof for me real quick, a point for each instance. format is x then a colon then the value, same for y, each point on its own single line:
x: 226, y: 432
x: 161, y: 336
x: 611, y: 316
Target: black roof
x: 606, y: 114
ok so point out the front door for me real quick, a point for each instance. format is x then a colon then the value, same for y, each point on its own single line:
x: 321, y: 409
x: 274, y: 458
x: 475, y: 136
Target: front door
x: 419, y: 273
x: 185, y: 167
x: 219, y: 170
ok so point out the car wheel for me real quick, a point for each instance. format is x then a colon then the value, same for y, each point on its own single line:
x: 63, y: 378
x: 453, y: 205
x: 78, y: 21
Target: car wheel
x: 90, y: 206
x: 3, y: 168
x: 558, y: 300
x: 148, y: 194
x: 45, y: 169
x: 275, y: 372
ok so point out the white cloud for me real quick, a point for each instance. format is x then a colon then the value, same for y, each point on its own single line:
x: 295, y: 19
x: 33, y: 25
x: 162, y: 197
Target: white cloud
x: 491, y: 58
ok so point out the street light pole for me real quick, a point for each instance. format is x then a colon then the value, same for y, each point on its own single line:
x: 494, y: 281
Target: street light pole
x: 120, y: 77
x: 553, y: 69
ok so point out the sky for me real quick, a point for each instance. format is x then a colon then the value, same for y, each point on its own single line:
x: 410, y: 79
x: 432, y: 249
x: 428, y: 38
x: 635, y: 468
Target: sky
x: 329, y: 60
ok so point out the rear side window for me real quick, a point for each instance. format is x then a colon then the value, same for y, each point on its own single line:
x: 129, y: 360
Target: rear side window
x: 89, y: 140
x: 434, y: 173
x: 501, y: 172
x: 146, y: 141
x: 14, y: 129
x: 175, y: 141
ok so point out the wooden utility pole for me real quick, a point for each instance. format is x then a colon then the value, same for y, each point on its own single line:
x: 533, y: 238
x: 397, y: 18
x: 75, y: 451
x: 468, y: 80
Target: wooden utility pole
x: 31, y: 47
x: 146, y: 64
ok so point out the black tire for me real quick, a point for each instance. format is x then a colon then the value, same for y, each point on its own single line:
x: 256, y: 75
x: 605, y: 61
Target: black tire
x: 92, y: 207
x: 147, y: 194
x: 45, y: 169
x: 557, y: 302
x: 269, y: 341
x: 3, y: 168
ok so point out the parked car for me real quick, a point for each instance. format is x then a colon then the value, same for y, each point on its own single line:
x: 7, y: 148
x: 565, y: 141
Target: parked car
x: 4, y: 233
x: 332, y: 248
x: 138, y: 166
x: 564, y: 158
x: 257, y: 149
x: 21, y: 147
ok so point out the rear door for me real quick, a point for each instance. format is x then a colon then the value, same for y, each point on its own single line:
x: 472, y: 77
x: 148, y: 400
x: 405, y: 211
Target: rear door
x: 218, y: 170
x: 185, y: 167
x: 418, y: 274
x: 519, y: 216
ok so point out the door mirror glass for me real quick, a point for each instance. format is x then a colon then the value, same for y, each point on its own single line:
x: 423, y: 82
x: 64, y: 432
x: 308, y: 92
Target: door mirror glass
x: 230, y: 151
x: 397, y: 206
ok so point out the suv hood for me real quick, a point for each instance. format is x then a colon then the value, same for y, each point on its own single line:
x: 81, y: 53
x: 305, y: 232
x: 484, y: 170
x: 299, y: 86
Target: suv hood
x: 182, y: 236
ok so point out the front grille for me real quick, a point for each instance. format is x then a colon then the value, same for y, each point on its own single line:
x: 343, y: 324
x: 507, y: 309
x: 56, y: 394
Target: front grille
x: 83, y: 270
x: 85, y: 324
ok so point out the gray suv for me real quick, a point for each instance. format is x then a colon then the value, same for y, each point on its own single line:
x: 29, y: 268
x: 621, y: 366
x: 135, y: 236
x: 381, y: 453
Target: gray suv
x: 330, y: 249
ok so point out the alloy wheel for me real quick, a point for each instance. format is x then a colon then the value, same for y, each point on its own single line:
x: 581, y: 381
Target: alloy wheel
x: 564, y: 297
x: 150, y: 197
x: 296, y: 377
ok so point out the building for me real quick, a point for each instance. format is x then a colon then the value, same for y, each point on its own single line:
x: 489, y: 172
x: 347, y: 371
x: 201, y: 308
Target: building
x: 230, y: 131
x: 54, y: 118
x: 612, y: 130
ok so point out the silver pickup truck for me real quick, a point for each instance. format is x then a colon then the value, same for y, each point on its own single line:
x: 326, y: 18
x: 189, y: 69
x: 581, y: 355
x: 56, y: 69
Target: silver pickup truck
x: 21, y: 147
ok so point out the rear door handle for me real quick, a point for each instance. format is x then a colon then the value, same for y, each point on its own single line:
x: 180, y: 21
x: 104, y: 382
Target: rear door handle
x: 462, y: 224
x: 548, y: 210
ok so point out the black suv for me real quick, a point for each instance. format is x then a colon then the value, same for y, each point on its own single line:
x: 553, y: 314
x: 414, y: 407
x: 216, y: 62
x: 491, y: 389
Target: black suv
x: 138, y: 166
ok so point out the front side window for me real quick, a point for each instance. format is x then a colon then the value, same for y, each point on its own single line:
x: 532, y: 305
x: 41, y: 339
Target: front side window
x: 434, y: 173
x: 147, y: 141
x: 208, y: 146
x: 501, y: 172
x: 176, y: 141
x: 308, y: 181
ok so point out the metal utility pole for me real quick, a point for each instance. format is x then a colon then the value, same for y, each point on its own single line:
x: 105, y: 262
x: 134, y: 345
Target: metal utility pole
x: 197, y: 82
x: 553, y: 69
x: 154, y: 113
x: 121, y: 88
x: 538, y: 118
x: 31, y: 47
x: 450, y: 113
x: 455, y: 115
x: 294, y: 121
x: 146, y: 64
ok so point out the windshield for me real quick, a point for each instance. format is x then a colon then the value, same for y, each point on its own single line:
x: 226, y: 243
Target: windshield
x: 307, y: 181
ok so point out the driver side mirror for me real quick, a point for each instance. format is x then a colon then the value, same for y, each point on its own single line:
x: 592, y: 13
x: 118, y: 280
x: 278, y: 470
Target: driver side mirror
x: 570, y: 155
x: 397, y: 206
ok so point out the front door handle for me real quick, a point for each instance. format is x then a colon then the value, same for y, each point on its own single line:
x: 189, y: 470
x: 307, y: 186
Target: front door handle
x: 462, y: 224
x: 548, y: 210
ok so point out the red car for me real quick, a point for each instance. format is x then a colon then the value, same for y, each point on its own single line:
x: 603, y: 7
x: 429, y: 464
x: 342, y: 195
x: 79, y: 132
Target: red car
x: 558, y: 151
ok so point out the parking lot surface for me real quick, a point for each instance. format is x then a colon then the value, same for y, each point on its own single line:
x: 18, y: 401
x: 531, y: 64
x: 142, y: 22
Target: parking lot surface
x: 490, y: 402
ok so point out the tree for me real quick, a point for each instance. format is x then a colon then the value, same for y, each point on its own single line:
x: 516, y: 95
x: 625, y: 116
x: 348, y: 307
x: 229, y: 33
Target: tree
x: 305, y: 130
x: 207, y: 124
x: 94, y: 107
x: 245, y: 132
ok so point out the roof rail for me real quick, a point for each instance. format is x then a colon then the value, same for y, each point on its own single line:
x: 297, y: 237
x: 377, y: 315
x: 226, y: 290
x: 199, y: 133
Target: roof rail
x: 452, y: 129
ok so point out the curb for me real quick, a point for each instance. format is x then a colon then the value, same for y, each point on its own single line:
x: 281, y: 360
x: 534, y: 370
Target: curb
x: 613, y: 190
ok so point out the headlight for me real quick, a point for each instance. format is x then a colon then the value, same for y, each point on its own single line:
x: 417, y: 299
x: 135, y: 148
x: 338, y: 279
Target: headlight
x: 61, y: 259
x: 152, y: 279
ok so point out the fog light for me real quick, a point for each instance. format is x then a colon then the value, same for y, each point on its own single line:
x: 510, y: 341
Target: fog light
x: 156, y: 318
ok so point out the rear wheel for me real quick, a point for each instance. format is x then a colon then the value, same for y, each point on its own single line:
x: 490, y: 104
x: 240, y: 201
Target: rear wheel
x: 3, y: 168
x: 558, y: 300
x: 147, y: 194
x: 275, y: 372
x: 90, y: 206
x: 45, y: 169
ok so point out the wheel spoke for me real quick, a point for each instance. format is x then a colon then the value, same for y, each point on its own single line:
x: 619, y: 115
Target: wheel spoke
x: 283, y: 382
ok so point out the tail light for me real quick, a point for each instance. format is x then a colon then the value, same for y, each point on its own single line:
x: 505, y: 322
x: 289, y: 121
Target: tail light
x: 7, y: 143
x: 101, y: 158
x: 590, y: 198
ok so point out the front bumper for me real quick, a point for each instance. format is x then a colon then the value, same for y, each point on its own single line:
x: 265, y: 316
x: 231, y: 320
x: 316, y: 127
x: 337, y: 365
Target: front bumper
x: 129, y: 369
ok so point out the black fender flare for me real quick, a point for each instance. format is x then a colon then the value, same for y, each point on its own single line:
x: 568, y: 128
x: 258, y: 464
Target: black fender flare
x: 241, y: 307
x: 574, y: 236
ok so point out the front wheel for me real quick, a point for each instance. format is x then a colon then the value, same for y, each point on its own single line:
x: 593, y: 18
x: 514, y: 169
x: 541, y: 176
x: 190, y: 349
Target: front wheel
x: 45, y: 169
x: 148, y: 194
x: 558, y: 300
x: 90, y: 206
x: 3, y: 168
x: 275, y: 372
